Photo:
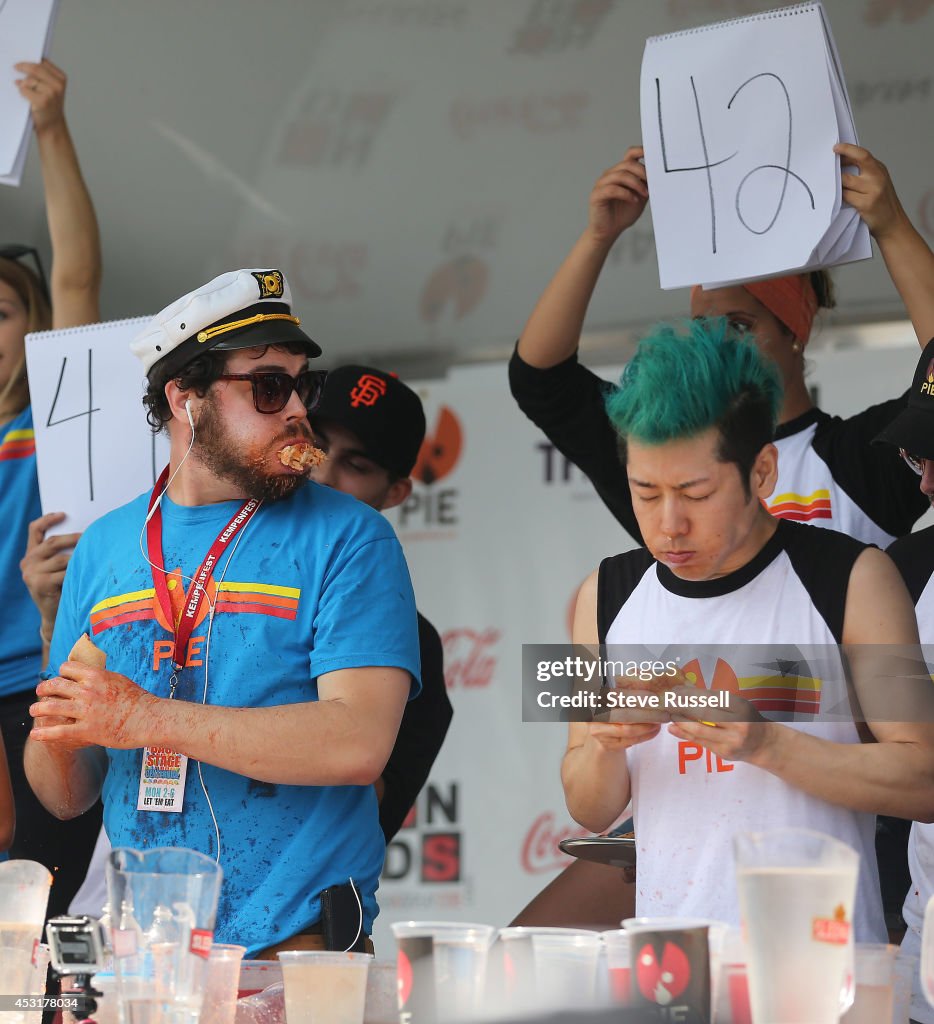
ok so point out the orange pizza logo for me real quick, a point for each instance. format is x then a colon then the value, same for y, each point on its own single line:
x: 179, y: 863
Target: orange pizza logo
x: 440, y: 450
x: 368, y: 390
x: 176, y: 585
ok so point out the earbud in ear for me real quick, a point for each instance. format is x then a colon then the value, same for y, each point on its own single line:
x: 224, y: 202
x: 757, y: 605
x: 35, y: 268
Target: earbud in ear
x: 191, y: 422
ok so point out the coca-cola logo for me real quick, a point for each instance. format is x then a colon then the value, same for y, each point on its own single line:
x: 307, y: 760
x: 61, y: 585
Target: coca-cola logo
x: 469, y: 657
x: 540, y: 851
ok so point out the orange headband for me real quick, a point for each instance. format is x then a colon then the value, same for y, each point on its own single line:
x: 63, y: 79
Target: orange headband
x: 792, y: 300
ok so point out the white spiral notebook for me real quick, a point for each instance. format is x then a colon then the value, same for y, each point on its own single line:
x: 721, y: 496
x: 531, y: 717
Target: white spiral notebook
x: 25, y: 35
x: 94, y: 448
x: 739, y: 120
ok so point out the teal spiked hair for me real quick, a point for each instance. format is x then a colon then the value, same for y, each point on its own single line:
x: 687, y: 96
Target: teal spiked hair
x: 691, y: 375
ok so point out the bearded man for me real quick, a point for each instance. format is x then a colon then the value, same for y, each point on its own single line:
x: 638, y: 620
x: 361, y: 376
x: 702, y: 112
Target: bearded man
x: 260, y: 637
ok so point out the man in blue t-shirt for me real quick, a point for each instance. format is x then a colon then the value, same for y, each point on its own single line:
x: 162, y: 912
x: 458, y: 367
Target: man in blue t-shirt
x: 259, y: 631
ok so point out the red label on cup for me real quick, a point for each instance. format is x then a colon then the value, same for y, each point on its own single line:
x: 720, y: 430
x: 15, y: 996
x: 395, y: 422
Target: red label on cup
x: 201, y: 942
x: 35, y: 952
x: 831, y: 930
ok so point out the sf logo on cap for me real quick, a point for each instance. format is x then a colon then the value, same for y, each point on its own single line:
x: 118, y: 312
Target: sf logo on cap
x: 271, y: 283
x: 369, y: 388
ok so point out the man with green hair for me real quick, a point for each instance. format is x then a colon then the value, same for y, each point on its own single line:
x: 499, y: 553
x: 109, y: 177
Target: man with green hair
x: 696, y: 411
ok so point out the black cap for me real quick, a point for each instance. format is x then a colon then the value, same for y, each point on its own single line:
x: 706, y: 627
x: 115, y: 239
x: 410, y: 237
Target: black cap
x: 913, y: 428
x: 385, y: 414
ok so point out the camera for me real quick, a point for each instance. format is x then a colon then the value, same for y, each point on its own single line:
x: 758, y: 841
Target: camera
x: 76, y: 944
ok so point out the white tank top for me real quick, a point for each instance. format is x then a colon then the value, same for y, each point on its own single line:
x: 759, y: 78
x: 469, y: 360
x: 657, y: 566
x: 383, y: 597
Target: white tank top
x: 687, y: 803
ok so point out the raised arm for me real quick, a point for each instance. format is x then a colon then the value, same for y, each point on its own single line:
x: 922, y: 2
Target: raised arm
x: 907, y: 256
x: 617, y: 200
x: 76, y: 250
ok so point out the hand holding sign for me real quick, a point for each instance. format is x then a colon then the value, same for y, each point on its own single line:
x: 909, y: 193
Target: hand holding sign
x: 739, y: 121
x: 25, y: 34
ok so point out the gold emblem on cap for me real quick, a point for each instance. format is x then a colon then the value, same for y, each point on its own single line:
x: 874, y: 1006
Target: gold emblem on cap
x: 271, y: 283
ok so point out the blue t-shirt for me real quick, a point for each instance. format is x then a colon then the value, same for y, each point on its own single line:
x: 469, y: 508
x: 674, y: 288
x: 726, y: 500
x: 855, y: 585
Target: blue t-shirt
x: 20, y: 646
x: 316, y: 583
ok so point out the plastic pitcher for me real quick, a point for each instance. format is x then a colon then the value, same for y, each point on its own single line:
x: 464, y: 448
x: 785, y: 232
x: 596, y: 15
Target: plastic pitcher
x: 797, y: 890
x: 163, y: 905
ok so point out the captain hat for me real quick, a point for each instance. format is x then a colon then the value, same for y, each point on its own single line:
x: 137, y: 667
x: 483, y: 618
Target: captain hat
x: 240, y: 309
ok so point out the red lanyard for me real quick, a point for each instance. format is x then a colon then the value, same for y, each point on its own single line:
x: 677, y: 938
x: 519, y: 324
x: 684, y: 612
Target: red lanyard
x: 197, y: 591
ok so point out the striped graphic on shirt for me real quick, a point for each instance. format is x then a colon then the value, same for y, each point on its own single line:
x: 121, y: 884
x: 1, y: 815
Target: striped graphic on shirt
x: 18, y: 444
x: 781, y: 690
x: 791, y: 694
x: 230, y: 598
x: 802, y: 508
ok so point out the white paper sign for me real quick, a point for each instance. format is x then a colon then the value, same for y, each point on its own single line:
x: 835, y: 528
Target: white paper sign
x: 25, y: 35
x: 94, y: 448
x: 739, y: 120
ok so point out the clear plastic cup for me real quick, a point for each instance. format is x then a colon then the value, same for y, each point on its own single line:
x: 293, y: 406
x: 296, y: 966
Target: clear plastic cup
x: 24, y: 897
x: 564, y: 967
x: 729, y: 982
x: 619, y: 967
x: 906, y: 982
x: 459, y: 956
x: 382, y: 999
x: 221, y: 984
x: 676, y: 963
x: 255, y: 975
x: 324, y: 987
x: 874, y: 975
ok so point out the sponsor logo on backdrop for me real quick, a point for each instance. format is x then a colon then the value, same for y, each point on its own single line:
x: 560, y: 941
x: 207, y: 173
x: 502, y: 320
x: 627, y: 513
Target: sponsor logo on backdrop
x: 878, y: 12
x: 335, y: 128
x: 558, y: 471
x: 537, y: 115
x: 469, y: 657
x: 424, y: 865
x: 459, y: 285
x: 891, y: 91
x: 554, y: 26
x: 431, y: 510
x: 539, y: 853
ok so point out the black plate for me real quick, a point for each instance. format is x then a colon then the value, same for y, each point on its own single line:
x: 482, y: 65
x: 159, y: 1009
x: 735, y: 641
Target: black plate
x: 614, y: 851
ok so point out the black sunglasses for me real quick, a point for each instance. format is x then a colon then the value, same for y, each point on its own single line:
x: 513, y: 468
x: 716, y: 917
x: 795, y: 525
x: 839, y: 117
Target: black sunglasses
x: 273, y: 389
x: 21, y: 253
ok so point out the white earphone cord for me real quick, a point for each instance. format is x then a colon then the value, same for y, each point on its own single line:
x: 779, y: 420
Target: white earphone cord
x: 207, y: 656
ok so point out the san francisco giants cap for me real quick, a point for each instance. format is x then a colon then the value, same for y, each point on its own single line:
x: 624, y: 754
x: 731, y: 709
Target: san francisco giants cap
x: 913, y: 428
x: 385, y: 414
x: 240, y: 309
